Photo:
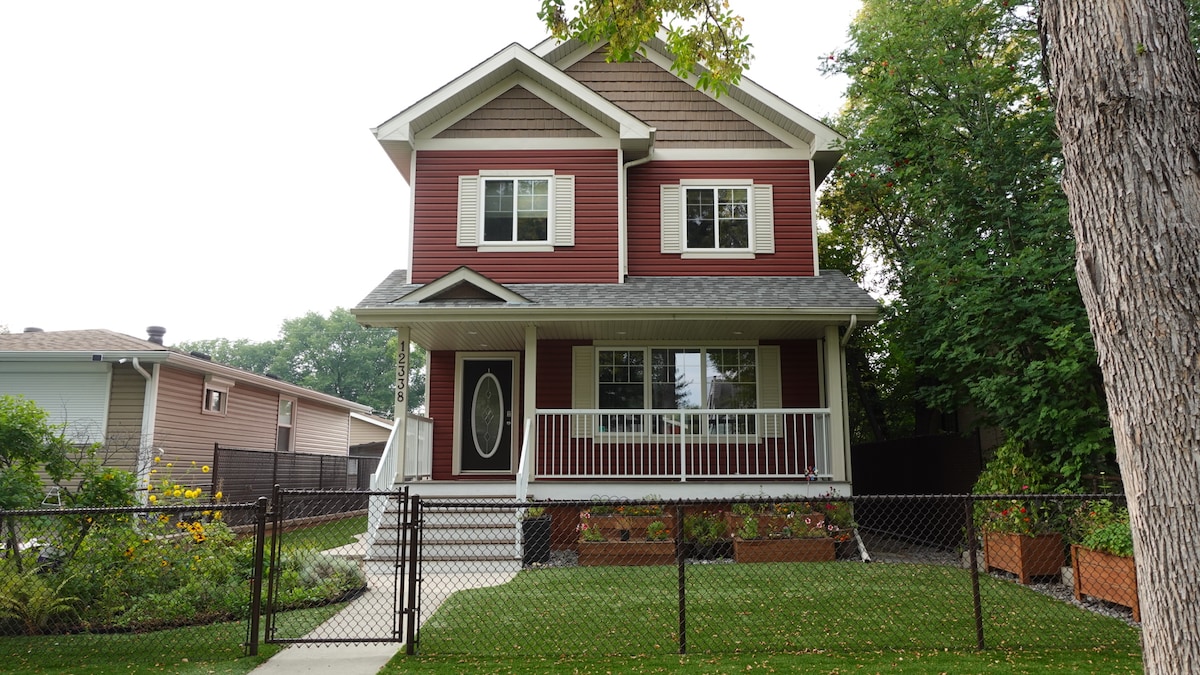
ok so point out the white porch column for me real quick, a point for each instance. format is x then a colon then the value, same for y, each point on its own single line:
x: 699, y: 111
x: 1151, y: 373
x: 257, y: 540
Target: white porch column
x: 529, y: 404
x: 835, y: 400
x: 400, y: 416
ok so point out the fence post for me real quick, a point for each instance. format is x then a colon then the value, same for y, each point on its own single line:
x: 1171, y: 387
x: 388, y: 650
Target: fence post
x: 412, y: 605
x: 260, y: 536
x: 682, y: 563
x: 973, y: 561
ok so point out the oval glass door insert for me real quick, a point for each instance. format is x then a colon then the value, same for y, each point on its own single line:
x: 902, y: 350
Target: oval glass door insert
x: 487, y: 415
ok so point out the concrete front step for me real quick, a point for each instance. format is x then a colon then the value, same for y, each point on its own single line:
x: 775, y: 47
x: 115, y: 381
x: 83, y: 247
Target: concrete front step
x: 465, y: 533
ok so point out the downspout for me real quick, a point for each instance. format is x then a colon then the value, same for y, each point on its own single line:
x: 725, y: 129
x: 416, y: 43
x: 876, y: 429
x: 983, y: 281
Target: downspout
x: 146, y: 439
x: 850, y: 329
x: 623, y: 213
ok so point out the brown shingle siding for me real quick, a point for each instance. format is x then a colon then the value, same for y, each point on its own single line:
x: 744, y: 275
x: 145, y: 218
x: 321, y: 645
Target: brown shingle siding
x: 682, y: 116
x: 517, y: 113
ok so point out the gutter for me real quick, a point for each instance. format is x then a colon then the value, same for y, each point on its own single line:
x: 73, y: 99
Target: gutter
x: 146, y: 436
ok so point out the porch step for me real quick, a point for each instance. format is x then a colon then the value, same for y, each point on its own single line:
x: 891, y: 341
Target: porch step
x: 470, y: 536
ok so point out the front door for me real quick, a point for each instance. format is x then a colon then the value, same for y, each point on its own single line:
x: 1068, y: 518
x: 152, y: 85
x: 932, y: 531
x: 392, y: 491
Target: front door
x: 486, y: 415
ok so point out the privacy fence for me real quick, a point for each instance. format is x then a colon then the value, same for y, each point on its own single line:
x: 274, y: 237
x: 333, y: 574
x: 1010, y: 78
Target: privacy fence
x: 595, y: 577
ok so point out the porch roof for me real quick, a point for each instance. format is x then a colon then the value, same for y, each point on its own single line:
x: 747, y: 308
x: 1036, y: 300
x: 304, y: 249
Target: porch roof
x: 477, y: 313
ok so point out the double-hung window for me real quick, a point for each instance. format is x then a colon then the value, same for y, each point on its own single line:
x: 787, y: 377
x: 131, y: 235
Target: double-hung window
x: 516, y: 210
x: 678, y: 380
x: 717, y: 218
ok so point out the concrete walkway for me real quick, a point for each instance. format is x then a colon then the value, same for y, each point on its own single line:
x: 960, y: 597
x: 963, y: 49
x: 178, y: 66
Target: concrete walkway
x: 370, y: 615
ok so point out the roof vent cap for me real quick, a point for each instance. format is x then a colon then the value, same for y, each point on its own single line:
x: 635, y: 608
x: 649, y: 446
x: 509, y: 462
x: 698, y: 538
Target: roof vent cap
x: 156, y: 334
x: 33, y: 329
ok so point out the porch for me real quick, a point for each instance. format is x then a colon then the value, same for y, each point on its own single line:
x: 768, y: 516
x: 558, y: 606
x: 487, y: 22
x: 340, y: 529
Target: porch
x: 569, y: 449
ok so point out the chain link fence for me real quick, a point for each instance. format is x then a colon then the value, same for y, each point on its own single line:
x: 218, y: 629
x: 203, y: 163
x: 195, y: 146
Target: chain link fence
x: 607, y: 578
x: 598, y: 577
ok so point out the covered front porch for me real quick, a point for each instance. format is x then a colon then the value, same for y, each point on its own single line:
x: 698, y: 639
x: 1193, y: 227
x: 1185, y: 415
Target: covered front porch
x: 623, y: 390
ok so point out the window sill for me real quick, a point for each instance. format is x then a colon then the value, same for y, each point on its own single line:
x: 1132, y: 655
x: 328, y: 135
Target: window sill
x: 718, y: 255
x: 515, y: 248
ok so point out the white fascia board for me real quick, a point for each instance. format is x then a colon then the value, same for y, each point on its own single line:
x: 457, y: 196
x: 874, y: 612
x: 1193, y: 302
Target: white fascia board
x: 425, y: 314
x: 463, y: 275
x: 110, y: 356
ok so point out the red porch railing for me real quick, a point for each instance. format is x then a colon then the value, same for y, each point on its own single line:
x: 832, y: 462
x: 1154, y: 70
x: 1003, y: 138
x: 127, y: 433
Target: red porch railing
x: 681, y: 445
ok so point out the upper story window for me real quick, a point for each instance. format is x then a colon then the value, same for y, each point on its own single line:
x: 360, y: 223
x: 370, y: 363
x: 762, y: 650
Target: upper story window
x: 717, y: 218
x: 503, y: 210
x: 516, y: 209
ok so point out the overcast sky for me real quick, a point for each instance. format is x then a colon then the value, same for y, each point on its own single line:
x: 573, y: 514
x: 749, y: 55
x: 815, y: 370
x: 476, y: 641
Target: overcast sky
x: 208, y: 166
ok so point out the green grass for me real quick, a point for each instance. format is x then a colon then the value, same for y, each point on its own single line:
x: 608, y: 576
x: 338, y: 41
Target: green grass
x: 215, y: 648
x: 812, y: 617
x: 330, y: 534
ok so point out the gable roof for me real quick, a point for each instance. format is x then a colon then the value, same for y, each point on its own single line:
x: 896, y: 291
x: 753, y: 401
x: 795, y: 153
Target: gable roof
x: 105, y: 345
x: 824, y: 141
x: 511, y: 65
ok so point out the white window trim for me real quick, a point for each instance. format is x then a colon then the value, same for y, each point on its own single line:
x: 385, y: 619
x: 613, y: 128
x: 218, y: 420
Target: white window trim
x: 216, y: 383
x: 673, y: 217
x: 560, y: 226
x: 290, y: 425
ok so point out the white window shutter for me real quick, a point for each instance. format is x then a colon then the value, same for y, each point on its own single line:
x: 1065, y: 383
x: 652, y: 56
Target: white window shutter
x: 468, y: 210
x: 671, y: 219
x: 583, y: 388
x: 770, y: 388
x: 764, y: 219
x: 564, y: 211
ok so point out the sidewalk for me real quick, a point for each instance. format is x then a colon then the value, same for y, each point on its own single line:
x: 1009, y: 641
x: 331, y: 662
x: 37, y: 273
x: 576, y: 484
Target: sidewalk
x: 370, y: 614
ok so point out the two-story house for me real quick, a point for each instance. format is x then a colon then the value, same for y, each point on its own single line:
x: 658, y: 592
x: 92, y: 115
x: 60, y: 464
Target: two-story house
x: 616, y: 278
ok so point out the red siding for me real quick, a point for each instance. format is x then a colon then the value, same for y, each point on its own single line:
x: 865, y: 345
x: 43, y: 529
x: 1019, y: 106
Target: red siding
x: 440, y: 393
x: 793, y: 219
x: 798, y: 366
x: 593, y: 258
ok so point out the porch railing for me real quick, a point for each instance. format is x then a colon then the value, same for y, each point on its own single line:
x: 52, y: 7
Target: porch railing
x: 417, y: 455
x: 685, y: 444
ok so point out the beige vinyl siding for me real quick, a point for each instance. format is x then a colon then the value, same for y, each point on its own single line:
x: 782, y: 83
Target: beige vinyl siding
x: 365, y: 432
x: 125, y: 405
x: 185, y: 434
x: 321, y: 429
x: 681, y: 116
x: 517, y: 113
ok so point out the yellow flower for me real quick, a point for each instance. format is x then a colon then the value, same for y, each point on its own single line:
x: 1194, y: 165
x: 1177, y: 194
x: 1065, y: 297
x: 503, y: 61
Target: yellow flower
x: 193, y: 462
x: 218, y: 495
x: 178, y: 493
x: 153, y: 470
x: 157, y: 460
x: 205, y: 469
x: 153, y: 498
x: 169, y: 465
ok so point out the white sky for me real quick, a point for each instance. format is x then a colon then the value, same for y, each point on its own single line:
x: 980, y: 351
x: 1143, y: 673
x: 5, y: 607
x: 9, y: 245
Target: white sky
x: 208, y: 166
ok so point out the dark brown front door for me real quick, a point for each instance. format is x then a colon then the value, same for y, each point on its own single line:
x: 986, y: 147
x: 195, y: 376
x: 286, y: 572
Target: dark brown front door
x: 485, y: 420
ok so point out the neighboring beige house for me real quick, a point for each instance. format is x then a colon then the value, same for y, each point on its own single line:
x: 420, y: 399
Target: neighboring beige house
x: 368, y: 429
x: 141, y: 399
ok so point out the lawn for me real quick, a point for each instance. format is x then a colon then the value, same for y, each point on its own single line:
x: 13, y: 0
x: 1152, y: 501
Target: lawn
x: 814, y: 617
x: 214, y: 648
x: 326, y: 535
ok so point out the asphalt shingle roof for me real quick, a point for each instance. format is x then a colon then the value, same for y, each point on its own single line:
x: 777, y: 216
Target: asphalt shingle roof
x: 75, y: 341
x: 832, y: 290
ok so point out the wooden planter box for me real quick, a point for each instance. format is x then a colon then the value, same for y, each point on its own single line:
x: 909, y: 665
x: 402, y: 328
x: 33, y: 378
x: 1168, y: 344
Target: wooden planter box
x: 616, y: 528
x: 598, y: 553
x: 1105, y: 576
x: 769, y: 524
x: 1024, y: 556
x: 783, y: 550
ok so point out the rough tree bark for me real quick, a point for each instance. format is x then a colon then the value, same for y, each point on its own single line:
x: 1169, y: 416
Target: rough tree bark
x: 1127, y: 89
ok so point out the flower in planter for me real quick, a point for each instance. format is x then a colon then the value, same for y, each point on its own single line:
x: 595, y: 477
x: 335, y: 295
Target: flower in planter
x: 1012, y: 471
x: 657, y: 531
x: 1103, y: 526
x: 704, y: 529
x: 588, y: 531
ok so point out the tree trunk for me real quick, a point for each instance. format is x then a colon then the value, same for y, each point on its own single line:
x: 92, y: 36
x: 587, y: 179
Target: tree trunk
x: 1127, y: 90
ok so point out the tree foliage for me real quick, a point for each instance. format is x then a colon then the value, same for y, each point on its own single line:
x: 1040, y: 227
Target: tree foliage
x: 951, y: 176
x: 705, y: 36
x: 331, y: 354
